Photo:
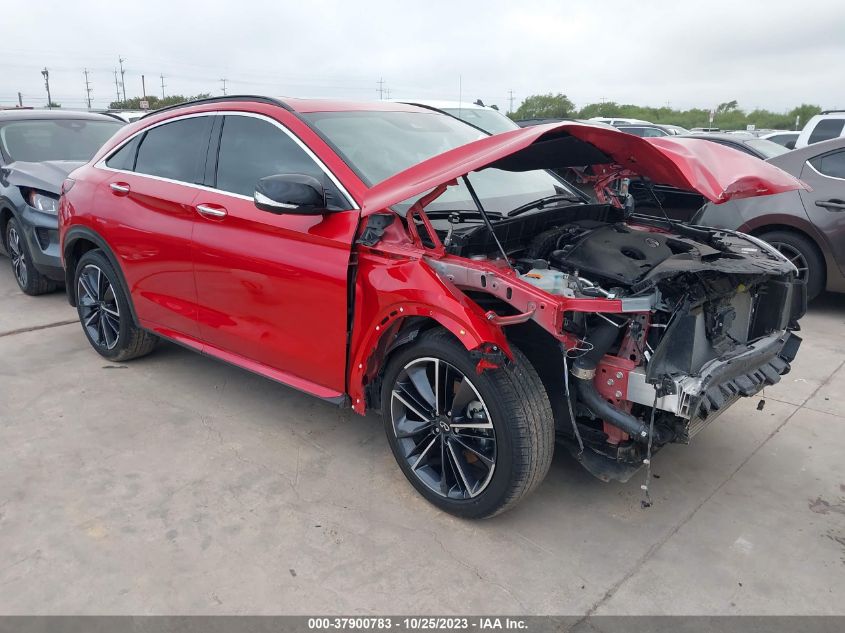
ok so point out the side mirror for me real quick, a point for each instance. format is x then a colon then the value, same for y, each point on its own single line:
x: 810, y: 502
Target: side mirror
x: 290, y: 193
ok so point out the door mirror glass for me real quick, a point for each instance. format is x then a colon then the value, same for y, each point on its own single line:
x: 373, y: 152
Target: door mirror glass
x: 290, y: 193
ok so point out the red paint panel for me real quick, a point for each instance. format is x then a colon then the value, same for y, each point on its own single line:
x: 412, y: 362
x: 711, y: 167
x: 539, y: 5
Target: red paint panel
x: 719, y: 173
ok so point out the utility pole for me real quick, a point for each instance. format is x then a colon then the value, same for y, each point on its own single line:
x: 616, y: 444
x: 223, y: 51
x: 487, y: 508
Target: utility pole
x: 46, y: 74
x: 116, y: 88
x: 122, y: 80
x: 380, y: 88
x: 387, y: 92
x: 87, y: 88
x: 20, y: 100
x: 143, y: 88
x: 223, y: 81
x: 162, y: 86
x: 510, y: 98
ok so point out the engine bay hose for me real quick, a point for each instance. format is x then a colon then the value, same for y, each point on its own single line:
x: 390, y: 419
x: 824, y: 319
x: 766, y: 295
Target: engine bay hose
x: 601, y: 337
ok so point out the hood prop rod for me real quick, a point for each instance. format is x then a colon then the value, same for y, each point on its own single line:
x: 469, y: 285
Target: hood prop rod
x: 486, y: 219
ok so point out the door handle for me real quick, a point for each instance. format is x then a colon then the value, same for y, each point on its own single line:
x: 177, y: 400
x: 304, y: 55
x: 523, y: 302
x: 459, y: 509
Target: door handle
x: 831, y: 205
x: 119, y: 188
x: 212, y: 212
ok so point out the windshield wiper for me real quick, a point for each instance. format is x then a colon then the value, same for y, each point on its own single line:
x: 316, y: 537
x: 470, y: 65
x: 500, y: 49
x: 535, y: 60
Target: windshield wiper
x: 539, y: 203
x: 445, y: 213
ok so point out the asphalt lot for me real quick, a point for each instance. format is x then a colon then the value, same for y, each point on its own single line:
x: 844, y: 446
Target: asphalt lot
x: 178, y: 484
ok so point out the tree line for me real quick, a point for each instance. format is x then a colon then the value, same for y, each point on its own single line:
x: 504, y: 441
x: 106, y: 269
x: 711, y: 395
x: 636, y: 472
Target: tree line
x: 727, y: 115
x: 154, y: 102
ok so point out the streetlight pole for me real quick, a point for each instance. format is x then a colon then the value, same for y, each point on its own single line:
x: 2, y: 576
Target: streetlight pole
x: 46, y: 74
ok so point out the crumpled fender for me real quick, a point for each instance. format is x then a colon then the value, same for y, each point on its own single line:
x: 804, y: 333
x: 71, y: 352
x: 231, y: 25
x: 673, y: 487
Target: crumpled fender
x: 389, y: 289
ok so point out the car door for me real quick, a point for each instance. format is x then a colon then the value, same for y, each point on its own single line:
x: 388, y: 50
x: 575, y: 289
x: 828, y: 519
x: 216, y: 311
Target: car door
x: 825, y: 204
x: 148, y: 198
x: 272, y: 289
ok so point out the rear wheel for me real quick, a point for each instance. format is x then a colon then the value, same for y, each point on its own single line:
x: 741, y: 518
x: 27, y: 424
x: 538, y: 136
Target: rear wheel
x: 472, y: 444
x: 104, y: 311
x: 804, y: 254
x: 29, y: 280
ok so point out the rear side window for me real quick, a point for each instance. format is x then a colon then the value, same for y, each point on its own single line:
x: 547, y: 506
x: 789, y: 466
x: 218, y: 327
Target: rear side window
x: 124, y: 158
x: 175, y: 150
x: 252, y: 148
x: 830, y: 164
x: 826, y: 129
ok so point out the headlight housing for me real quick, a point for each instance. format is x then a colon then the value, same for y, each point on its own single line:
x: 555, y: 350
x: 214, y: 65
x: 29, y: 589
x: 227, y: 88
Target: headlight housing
x: 43, y: 202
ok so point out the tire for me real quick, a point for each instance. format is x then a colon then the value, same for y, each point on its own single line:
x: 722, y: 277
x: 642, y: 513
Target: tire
x: 104, y: 313
x: 800, y: 249
x: 510, y: 404
x: 29, y: 280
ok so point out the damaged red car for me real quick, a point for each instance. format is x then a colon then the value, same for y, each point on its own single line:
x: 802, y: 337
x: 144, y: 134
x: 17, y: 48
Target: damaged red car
x: 394, y: 259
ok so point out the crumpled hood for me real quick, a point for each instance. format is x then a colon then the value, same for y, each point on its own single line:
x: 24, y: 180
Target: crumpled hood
x: 717, y: 172
x: 45, y: 176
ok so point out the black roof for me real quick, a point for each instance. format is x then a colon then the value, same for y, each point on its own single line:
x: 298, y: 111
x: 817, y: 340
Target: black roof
x: 256, y: 98
x: 35, y: 115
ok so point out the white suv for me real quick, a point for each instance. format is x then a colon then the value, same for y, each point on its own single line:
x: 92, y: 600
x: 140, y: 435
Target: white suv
x: 822, y: 127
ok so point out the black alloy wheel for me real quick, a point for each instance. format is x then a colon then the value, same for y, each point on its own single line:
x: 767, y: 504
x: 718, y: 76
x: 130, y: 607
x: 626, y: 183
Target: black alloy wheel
x: 105, y: 312
x: 98, y: 307
x: 443, y: 428
x: 18, y: 257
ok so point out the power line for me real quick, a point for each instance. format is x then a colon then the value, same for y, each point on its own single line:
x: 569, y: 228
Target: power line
x: 46, y: 74
x: 116, y: 87
x: 87, y: 88
x: 122, y: 80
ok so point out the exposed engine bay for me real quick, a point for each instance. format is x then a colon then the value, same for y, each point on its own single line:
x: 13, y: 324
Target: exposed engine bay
x: 663, y: 325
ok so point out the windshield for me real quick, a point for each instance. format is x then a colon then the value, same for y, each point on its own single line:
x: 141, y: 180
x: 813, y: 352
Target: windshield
x: 488, y: 120
x: 55, y: 139
x: 377, y: 145
x: 767, y: 148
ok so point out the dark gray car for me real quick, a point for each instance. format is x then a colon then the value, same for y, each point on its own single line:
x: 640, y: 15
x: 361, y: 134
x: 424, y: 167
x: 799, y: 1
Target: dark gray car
x: 807, y: 226
x: 38, y: 149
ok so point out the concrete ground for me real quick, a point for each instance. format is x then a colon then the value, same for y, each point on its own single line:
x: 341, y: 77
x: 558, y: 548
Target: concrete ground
x: 178, y: 484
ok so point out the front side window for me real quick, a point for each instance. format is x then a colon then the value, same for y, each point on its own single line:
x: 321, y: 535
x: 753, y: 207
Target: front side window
x: 832, y: 165
x: 826, y: 129
x: 252, y: 148
x: 175, y: 150
x: 54, y: 139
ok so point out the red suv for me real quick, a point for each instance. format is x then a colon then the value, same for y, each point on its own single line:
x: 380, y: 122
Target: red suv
x: 393, y: 258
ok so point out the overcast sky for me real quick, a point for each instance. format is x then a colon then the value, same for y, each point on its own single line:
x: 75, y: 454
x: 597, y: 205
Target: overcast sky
x: 773, y: 54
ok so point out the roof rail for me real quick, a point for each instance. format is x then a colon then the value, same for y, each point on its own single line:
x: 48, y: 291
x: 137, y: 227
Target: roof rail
x: 831, y: 111
x: 227, y: 98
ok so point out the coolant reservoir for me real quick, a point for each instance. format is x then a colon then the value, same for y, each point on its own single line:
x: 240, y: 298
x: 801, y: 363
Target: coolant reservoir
x: 552, y: 281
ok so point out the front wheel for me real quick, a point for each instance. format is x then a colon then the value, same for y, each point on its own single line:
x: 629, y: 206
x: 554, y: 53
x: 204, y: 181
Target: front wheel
x: 29, y: 279
x: 472, y: 444
x: 104, y: 311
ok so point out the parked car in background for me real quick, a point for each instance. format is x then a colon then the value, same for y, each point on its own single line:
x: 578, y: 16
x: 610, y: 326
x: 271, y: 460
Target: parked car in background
x: 822, y: 127
x: 38, y: 149
x: 484, y: 118
x: 390, y: 257
x: 651, y: 129
x: 746, y: 143
x: 130, y: 116
x: 617, y: 121
x: 786, y: 138
x: 807, y: 226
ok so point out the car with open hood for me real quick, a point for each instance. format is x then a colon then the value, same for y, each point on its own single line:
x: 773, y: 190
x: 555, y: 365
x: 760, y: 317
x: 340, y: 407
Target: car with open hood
x: 391, y: 258
x: 38, y: 149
